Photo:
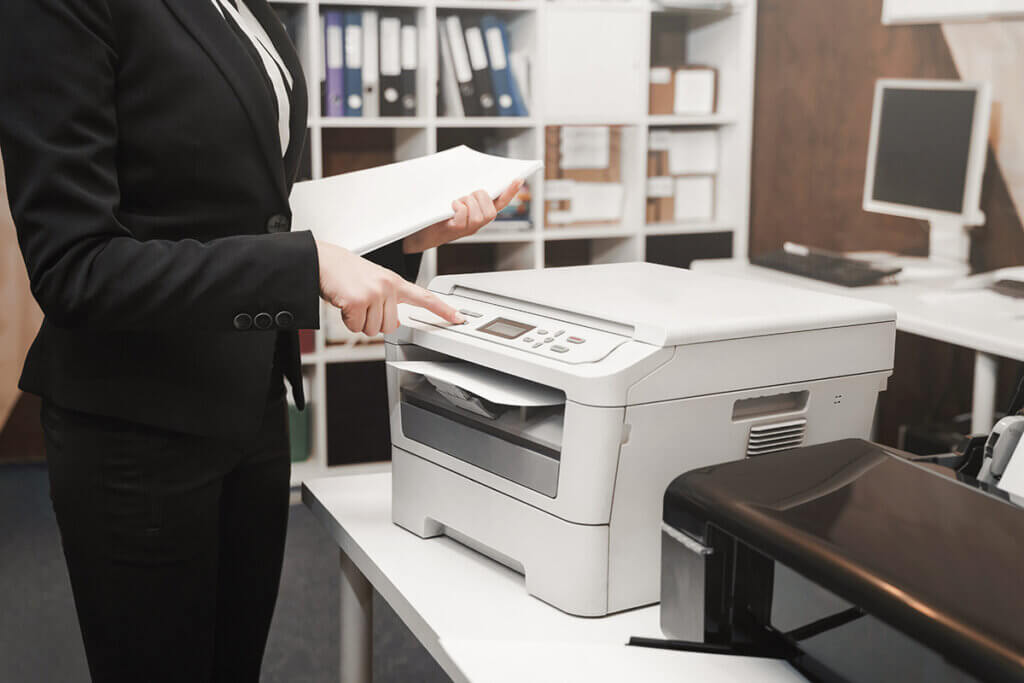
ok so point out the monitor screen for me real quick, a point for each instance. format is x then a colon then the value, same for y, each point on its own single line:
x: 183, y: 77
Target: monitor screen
x: 924, y: 141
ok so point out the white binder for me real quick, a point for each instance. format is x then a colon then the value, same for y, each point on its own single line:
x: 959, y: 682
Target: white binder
x: 371, y: 72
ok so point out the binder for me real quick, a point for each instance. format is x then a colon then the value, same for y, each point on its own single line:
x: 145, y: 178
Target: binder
x: 371, y: 72
x: 334, y: 64
x: 463, y: 70
x: 508, y: 98
x: 481, y: 70
x: 449, y: 91
x: 353, y: 63
x: 390, y: 65
x: 410, y: 60
x: 291, y: 20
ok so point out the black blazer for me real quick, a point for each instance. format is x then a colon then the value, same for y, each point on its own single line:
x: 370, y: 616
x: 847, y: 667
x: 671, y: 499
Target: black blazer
x: 151, y: 204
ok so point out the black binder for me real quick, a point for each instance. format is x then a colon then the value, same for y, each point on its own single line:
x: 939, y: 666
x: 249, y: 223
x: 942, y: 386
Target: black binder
x: 410, y: 62
x: 463, y: 69
x: 390, y: 64
x: 478, y: 62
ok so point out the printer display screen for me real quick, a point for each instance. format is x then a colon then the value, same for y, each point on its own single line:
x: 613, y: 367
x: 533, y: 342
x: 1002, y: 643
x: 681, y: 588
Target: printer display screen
x: 508, y: 329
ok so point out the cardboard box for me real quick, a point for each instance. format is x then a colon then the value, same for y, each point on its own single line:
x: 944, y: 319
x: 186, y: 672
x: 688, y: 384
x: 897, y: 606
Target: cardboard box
x: 660, y: 199
x: 553, y: 171
x: 662, y: 89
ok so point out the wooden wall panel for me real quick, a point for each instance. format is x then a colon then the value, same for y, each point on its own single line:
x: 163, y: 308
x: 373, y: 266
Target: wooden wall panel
x: 817, y: 62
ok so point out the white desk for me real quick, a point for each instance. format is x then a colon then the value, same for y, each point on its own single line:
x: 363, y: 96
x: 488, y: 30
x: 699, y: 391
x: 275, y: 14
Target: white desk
x: 989, y: 335
x: 474, y: 615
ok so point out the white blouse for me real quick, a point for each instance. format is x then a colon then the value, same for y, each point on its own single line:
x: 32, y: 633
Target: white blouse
x: 276, y: 71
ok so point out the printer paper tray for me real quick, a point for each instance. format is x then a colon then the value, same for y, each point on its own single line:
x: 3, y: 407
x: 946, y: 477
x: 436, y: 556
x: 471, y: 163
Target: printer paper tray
x: 463, y: 440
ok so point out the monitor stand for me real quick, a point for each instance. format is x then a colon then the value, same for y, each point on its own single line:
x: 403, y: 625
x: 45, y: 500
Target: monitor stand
x: 949, y: 249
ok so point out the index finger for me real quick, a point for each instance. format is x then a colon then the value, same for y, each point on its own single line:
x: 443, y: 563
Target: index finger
x: 409, y: 293
x: 508, y: 195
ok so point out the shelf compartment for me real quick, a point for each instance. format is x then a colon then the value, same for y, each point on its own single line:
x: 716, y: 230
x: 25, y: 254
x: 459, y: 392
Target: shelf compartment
x: 481, y: 257
x: 681, y: 250
x: 578, y: 252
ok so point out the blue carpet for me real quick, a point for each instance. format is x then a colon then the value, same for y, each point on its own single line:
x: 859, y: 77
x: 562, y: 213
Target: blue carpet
x: 39, y: 637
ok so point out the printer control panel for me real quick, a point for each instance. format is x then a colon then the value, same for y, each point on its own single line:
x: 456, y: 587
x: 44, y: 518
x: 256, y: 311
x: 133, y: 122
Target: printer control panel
x: 541, y: 335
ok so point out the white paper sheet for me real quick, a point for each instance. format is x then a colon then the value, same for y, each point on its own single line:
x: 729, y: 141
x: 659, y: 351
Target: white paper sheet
x: 496, y: 387
x: 364, y: 210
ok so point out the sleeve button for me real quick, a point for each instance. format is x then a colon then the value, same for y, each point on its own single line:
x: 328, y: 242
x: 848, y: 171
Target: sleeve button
x: 278, y: 223
x: 284, y: 319
x: 243, y: 321
x: 263, y: 321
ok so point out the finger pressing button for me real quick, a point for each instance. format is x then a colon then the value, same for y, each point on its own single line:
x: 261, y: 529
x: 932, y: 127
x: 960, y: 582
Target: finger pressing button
x: 243, y: 321
x: 284, y: 319
x: 263, y: 321
x: 278, y: 223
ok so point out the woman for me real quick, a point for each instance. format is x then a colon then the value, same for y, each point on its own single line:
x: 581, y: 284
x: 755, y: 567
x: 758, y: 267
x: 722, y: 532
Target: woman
x: 150, y: 148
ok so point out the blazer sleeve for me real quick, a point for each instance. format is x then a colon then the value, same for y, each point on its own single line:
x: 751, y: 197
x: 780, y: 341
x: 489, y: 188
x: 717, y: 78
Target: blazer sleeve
x: 58, y: 137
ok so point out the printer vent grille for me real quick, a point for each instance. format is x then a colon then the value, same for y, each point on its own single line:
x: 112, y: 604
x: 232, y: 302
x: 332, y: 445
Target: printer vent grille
x: 776, y: 436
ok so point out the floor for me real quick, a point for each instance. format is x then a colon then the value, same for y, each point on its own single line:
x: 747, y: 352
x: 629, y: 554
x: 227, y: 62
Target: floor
x: 39, y: 638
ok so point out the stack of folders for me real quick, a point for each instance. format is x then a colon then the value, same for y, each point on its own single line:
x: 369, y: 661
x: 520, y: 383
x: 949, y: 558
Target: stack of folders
x: 681, y: 169
x: 479, y: 73
x: 370, y: 61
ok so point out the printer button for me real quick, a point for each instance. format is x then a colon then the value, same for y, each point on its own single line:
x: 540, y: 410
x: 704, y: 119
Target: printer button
x: 575, y: 340
x: 542, y: 331
x: 528, y: 340
x: 559, y: 333
x: 471, y: 314
x: 558, y: 348
x: 538, y: 344
x: 549, y: 340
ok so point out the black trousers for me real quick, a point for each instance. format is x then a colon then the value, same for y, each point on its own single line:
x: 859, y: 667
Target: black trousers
x: 173, y: 542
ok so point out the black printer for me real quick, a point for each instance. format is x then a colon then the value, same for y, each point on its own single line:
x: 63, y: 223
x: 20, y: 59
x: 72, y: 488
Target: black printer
x: 848, y: 561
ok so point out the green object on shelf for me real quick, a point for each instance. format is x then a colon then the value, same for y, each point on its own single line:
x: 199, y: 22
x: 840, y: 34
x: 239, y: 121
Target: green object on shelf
x: 299, y: 432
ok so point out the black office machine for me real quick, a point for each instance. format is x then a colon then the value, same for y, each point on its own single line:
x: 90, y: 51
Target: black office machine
x: 852, y: 563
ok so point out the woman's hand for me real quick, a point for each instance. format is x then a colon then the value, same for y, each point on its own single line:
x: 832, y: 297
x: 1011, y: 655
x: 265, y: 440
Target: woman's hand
x: 368, y: 295
x: 472, y: 212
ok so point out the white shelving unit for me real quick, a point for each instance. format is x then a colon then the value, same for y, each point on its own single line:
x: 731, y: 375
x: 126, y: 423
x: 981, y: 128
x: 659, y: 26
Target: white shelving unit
x: 589, y: 62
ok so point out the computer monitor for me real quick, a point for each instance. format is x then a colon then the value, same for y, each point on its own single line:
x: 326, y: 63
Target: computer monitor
x: 926, y: 158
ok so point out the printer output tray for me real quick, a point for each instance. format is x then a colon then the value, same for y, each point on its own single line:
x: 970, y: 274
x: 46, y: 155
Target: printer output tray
x: 522, y: 444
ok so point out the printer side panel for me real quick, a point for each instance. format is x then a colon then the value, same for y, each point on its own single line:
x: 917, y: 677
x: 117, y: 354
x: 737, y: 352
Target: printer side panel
x: 673, y: 437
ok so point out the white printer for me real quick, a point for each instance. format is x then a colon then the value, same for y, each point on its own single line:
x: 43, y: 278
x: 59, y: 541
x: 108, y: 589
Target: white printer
x: 544, y: 431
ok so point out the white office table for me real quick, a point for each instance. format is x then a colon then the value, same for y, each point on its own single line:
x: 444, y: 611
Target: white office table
x: 990, y: 335
x: 474, y: 615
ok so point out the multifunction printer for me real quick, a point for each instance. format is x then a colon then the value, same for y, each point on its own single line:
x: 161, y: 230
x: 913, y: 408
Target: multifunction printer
x: 544, y: 430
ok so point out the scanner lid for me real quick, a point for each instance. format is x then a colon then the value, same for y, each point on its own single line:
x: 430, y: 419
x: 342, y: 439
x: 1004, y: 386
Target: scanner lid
x: 664, y: 306
x: 927, y: 553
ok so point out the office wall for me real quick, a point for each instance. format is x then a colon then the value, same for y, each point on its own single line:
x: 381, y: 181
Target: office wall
x: 817, y: 61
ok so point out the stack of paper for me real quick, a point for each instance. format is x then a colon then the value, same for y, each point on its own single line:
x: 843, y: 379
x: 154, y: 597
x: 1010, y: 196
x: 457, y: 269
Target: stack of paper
x: 364, y: 210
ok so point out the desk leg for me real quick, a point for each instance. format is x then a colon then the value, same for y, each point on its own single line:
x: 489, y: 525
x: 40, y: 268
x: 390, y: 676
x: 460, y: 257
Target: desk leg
x: 986, y: 368
x: 356, y: 624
